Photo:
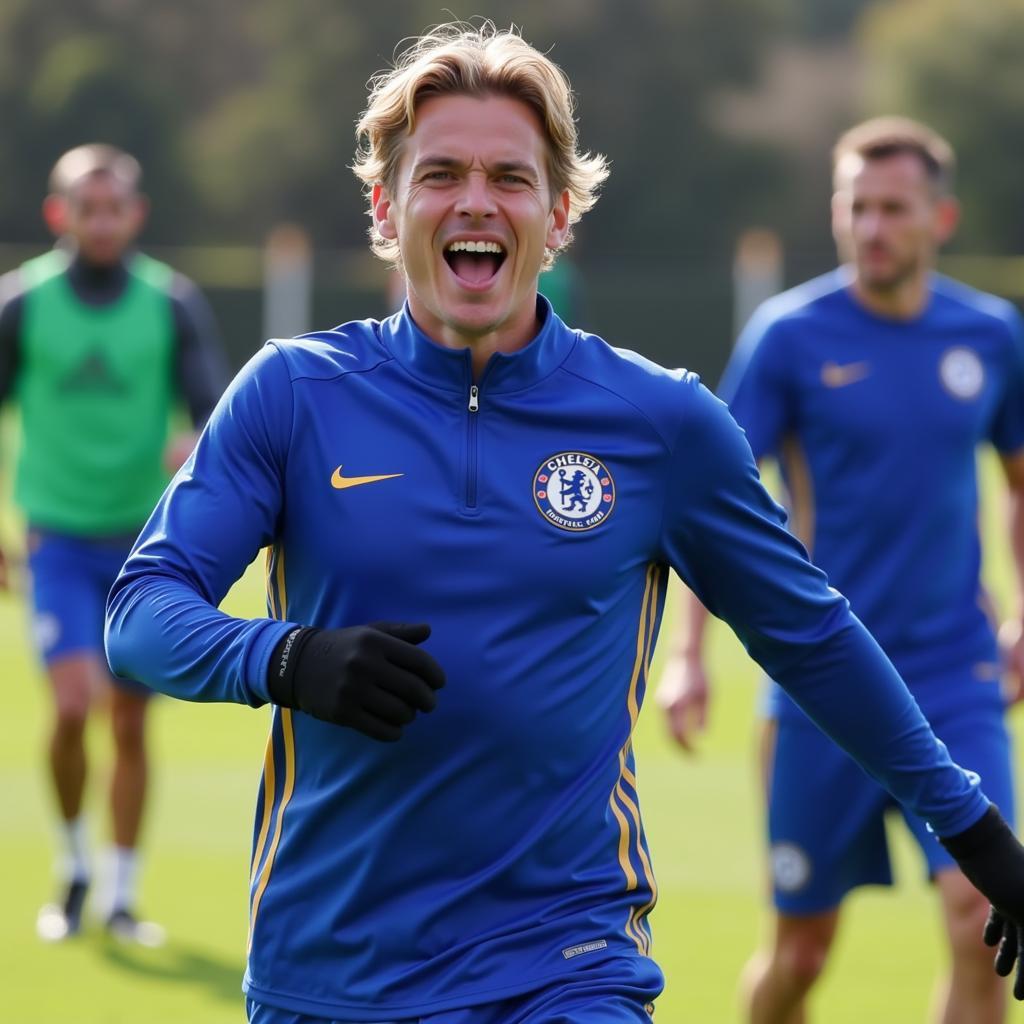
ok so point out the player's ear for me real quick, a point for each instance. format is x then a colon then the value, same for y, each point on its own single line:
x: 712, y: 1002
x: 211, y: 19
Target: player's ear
x: 947, y: 219
x: 383, y: 212
x: 55, y: 214
x: 558, y: 221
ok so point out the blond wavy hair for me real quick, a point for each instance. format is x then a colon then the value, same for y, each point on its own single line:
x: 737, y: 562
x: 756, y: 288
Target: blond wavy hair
x: 458, y: 58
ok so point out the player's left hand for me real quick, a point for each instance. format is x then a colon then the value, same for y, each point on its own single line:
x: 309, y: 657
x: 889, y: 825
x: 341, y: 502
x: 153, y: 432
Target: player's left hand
x: 1011, y: 645
x: 1008, y: 937
x: 992, y: 859
x: 683, y: 694
x: 178, y: 449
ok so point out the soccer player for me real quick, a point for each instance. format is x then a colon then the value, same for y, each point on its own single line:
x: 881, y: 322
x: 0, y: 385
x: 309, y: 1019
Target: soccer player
x: 873, y: 386
x: 470, y: 511
x: 96, y: 340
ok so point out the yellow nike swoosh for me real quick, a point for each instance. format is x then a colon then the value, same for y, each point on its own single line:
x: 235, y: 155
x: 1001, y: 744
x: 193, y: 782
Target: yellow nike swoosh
x: 834, y: 375
x: 341, y: 482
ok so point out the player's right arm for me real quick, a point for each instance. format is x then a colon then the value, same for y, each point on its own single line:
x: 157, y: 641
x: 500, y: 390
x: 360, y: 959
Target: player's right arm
x: 163, y: 625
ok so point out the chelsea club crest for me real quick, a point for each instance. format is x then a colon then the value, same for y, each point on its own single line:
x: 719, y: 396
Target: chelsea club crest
x: 574, y: 491
x: 962, y: 372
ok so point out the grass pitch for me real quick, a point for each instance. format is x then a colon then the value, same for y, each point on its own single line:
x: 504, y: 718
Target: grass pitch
x: 702, y: 815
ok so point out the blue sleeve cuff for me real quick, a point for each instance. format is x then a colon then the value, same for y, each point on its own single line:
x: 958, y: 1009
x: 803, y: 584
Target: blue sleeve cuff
x: 257, y: 660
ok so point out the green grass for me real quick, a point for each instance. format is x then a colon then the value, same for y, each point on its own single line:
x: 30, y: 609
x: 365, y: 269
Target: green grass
x: 702, y: 815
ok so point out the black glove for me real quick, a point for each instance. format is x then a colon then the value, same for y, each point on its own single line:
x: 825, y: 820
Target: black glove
x: 993, y: 861
x: 370, y: 678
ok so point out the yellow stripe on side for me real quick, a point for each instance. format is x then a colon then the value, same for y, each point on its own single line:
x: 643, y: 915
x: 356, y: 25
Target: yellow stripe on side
x: 641, y: 641
x: 269, y: 773
x: 640, y: 663
x: 652, y: 620
x: 289, y: 785
x: 278, y: 608
x: 627, y: 868
x: 634, y: 810
x: 269, y: 786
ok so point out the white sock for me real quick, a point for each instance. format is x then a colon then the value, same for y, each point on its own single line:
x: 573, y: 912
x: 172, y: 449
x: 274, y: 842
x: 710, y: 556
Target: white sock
x: 124, y: 868
x: 74, y: 859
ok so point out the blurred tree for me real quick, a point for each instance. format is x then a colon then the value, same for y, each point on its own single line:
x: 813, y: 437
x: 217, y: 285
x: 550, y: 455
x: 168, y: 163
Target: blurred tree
x: 281, y: 145
x: 120, y: 71
x: 958, y: 66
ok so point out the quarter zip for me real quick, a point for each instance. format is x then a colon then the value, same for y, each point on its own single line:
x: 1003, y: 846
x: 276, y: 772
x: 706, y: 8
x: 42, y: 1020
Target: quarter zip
x: 471, y: 447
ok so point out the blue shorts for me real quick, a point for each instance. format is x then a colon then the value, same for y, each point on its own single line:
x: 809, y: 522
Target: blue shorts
x: 70, y: 579
x: 825, y: 814
x: 576, y: 1000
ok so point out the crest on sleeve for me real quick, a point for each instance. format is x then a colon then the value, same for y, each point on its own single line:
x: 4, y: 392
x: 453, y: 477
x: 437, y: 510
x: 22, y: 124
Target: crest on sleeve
x: 574, y: 491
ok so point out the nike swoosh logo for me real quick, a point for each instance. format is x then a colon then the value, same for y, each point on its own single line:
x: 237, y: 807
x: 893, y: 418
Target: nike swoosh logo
x: 836, y: 375
x: 340, y: 482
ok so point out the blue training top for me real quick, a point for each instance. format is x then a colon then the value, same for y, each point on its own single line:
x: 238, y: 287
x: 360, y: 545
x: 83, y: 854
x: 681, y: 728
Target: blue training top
x: 531, y: 521
x: 875, y: 423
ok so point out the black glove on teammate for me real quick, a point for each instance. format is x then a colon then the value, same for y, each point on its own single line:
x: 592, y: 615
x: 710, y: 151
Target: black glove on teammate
x: 370, y: 678
x: 993, y: 861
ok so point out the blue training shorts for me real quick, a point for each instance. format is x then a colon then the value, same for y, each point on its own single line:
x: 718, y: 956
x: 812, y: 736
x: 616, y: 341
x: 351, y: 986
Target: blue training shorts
x: 825, y: 813
x: 582, y: 999
x: 70, y: 579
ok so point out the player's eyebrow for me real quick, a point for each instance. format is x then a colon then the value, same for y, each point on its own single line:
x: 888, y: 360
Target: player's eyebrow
x: 437, y: 161
x: 430, y: 160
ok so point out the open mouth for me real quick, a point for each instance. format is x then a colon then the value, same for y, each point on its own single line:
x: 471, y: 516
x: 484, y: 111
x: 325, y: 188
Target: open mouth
x: 475, y: 263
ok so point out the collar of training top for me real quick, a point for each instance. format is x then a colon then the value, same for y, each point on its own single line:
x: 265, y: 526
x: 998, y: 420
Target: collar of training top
x: 451, y: 368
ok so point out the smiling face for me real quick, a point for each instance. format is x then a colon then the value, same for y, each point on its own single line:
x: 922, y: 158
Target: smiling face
x: 472, y: 211
x: 888, y: 219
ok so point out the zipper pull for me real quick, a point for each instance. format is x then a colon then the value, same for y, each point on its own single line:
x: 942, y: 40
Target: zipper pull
x: 474, y: 398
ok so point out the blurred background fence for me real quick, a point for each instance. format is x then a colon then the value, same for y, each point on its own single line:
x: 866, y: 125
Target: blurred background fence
x: 682, y: 314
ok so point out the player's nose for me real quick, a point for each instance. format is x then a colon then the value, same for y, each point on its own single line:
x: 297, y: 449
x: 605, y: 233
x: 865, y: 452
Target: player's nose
x: 475, y: 197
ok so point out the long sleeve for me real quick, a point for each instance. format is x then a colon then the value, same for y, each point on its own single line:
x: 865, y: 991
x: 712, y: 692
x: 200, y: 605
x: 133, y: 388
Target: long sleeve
x: 725, y: 537
x: 163, y: 626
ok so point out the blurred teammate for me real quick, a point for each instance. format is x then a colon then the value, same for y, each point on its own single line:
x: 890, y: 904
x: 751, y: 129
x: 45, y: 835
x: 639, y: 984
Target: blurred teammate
x: 96, y: 342
x: 477, y: 854
x: 873, y: 387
